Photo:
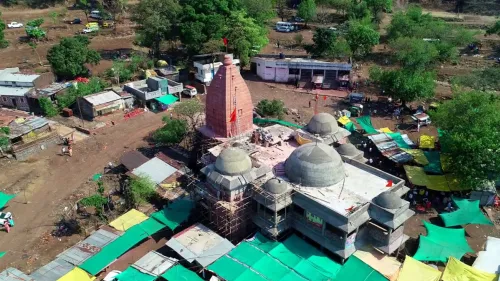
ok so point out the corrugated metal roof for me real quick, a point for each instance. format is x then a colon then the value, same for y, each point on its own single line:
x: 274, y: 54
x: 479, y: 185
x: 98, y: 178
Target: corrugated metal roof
x: 13, y: 274
x: 12, y: 75
x: 31, y: 123
x: 52, y: 271
x: 14, y: 91
x: 133, y: 159
x: 201, y: 244
x: 154, y: 263
x: 156, y: 169
x: 85, y: 249
x: 102, y: 98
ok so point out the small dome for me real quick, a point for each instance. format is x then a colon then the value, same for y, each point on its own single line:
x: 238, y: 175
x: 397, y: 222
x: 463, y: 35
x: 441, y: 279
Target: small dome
x: 233, y: 161
x: 388, y: 200
x: 348, y: 149
x: 323, y: 124
x: 315, y: 165
x: 276, y: 186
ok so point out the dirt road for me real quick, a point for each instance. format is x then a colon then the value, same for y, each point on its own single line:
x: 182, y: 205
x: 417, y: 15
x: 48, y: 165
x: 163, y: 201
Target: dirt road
x: 50, y: 179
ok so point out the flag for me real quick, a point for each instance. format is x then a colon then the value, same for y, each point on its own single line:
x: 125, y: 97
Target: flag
x: 225, y: 41
x: 233, y: 116
x: 389, y: 183
x: 324, y: 97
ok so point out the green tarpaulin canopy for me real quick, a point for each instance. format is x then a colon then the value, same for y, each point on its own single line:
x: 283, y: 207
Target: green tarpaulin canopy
x: 434, y: 165
x: 398, y: 139
x: 167, y: 99
x: 5, y: 198
x: 260, y: 121
x: 356, y: 270
x: 2, y: 254
x: 350, y: 127
x: 122, y: 244
x: 468, y: 213
x: 441, y: 243
x: 132, y: 274
x: 179, y: 272
x: 366, y: 123
x: 175, y: 214
x: 261, y: 259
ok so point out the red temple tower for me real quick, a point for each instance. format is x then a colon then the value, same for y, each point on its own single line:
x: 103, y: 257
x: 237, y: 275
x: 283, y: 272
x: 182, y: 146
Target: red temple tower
x: 229, y: 108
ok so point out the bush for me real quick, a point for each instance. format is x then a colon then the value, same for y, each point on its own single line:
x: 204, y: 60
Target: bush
x: 141, y: 190
x: 48, y: 108
x: 274, y: 108
x: 5, y: 130
x: 299, y: 38
x: 172, y: 132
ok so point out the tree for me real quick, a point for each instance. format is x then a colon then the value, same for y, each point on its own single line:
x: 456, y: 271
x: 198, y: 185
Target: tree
x: 69, y: 57
x: 414, y: 54
x: 140, y: 191
x: 85, y: 5
x: 94, y: 85
x: 244, y: 36
x: 405, y: 85
x: 378, y: 6
x: 274, y: 108
x: 282, y: 10
x: 307, y: 10
x: 190, y: 111
x: 340, y: 5
x: 33, y: 29
x: 361, y: 37
x: 487, y: 79
x: 298, y: 38
x: 48, y: 107
x: 115, y: 7
x: 358, y: 10
x: 471, y: 138
x: 212, y: 46
x: 173, y: 132
x: 494, y: 29
x: 54, y: 16
x: 323, y: 41
x: 34, y: 46
x: 155, y: 19
x: 3, y: 43
x: 260, y: 10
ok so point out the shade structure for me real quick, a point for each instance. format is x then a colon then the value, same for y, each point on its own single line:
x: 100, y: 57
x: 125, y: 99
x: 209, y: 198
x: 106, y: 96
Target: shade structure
x: 175, y: 213
x: 458, y: 271
x: 398, y: 138
x: 434, y: 166
x: 468, y: 213
x: 77, y: 274
x: 132, y: 274
x: 385, y: 130
x: 366, y: 123
x: 128, y: 220
x: 5, y: 198
x: 427, y: 141
x: 414, y: 270
x: 344, y: 120
x: 179, y: 272
x: 416, y: 175
x: 418, y: 156
x: 356, y: 270
x: 167, y: 99
x: 488, y: 260
x: 442, y: 243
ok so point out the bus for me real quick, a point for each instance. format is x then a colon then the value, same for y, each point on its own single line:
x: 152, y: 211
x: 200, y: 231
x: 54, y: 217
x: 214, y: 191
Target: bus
x: 282, y: 26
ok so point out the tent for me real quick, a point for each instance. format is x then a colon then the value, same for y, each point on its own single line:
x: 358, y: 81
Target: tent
x: 414, y: 270
x: 356, y: 270
x: 442, y: 243
x: 457, y: 271
x: 366, y: 123
x: 468, y: 213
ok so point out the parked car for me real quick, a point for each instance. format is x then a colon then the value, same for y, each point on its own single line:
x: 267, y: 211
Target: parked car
x: 190, y: 91
x: 95, y: 14
x: 297, y: 19
x: 15, y: 25
x: 76, y: 21
x: 90, y: 29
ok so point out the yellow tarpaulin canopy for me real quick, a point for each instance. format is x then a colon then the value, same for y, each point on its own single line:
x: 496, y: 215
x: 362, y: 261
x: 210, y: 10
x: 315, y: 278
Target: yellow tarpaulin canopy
x: 128, y: 220
x: 385, y: 265
x: 418, y: 155
x: 344, y: 120
x: 414, y: 270
x: 385, y: 130
x: 427, y: 141
x: 458, y: 271
x: 416, y: 175
x: 77, y: 274
x: 443, y: 183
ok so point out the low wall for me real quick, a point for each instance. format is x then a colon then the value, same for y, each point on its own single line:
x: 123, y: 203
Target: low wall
x: 25, y: 151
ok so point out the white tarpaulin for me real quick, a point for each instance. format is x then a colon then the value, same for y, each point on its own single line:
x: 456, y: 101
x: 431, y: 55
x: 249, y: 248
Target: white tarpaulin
x: 488, y: 260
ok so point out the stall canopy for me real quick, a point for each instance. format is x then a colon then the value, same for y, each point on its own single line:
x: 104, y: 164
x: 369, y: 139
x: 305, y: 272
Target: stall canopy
x: 132, y: 274
x: 456, y: 271
x: 427, y: 141
x: 5, y: 198
x: 385, y: 130
x: 366, y: 123
x: 128, y: 220
x: 488, y: 260
x: 446, y: 183
x: 179, y: 272
x: 468, y: 212
x: 434, y: 166
x: 418, y: 156
x: 401, y: 140
x: 416, y: 175
x: 167, y: 99
x: 414, y: 270
x: 384, y: 264
x: 77, y: 274
x: 442, y: 243
x: 356, y: 270
x: 175, y: 213
x: 344, y: 120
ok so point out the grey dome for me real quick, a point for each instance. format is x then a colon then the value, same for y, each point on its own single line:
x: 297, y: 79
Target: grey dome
x: 276, y: 186
x: 323, y: 124
x: 388, y: 200
x: 315, y: 165
x: 348, y: 149
x: 233, y: 161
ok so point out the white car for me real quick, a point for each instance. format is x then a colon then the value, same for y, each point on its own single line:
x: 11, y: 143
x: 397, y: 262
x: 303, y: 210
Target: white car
x: 111, y: 276
x: 15, y: 25
x: 190, y: 91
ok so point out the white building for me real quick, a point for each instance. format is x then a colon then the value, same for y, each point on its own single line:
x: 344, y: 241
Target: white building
x: 14, y: 86
x: 293, y: 69
x: 206, y: 67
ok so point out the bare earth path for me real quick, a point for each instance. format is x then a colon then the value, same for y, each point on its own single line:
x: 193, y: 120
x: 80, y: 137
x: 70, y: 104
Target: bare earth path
x: 51, y: 178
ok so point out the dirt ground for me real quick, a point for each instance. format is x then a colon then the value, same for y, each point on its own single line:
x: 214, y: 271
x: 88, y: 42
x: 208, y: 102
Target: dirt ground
x: 46, y: 186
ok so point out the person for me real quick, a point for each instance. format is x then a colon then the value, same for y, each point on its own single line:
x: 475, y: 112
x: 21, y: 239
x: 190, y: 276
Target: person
x: 428, y: 204
x: 445, y: 200
x: 370, y: 160
x: 370, y: 149
x: 309, y: 104
x: 449, y: 207
x: 380, y: 163
x: 278, y: 44
x: 410, y: 196
x: 364, y: 145
x: 418, y: 126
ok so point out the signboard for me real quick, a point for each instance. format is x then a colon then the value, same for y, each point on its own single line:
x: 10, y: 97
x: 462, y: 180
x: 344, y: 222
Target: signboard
x: 315, y: 220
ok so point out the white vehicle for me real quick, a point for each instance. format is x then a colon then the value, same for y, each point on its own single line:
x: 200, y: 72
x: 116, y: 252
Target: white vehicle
x: 15, y: 25
x: 6, y: 221
x: 282, y: 26
x: 88, y: 30
x: 111, y: 276
x: 95, y: 14
x: 332, y: 28
x: 190, y: 91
